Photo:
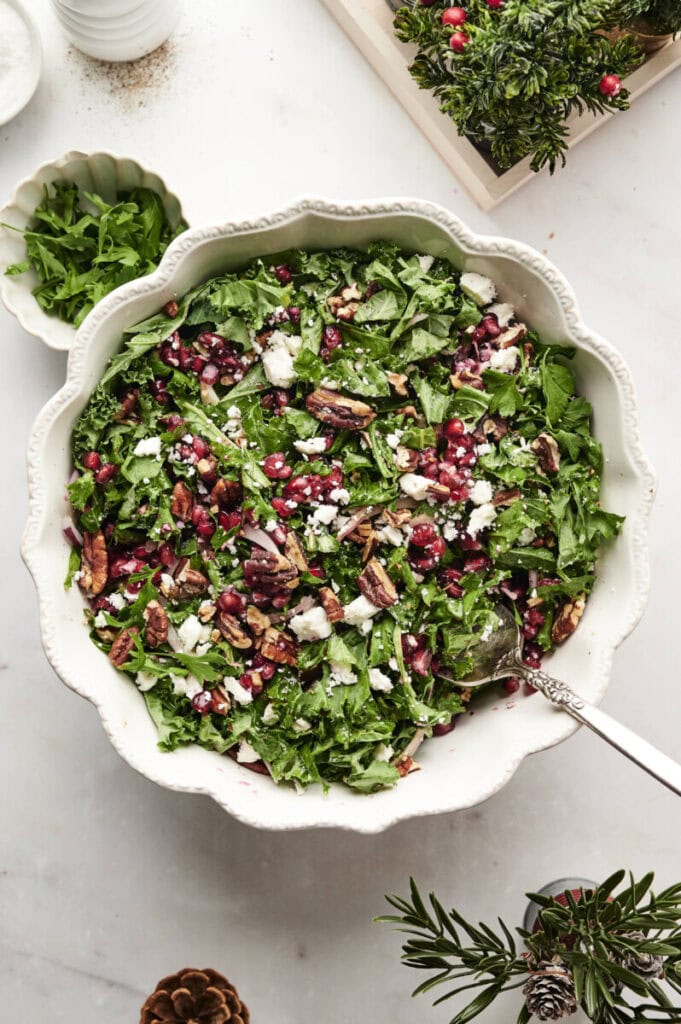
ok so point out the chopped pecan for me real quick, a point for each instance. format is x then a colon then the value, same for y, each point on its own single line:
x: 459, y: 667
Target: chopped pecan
x: 294, y: 552
x: 406, y: 766
x: 232, y: 631
x: 491, y: 426
x: 206, y: 467
x: 567, y: 619
x: 376, y: 585
x: 338, y: 411
x: 171, y: 309
x: 182, y: 503
x: 528, y: 351
x: 270, y: 567
x: 506, y: 497
x: 365, y: 534
x: 258, y: 622
x: 206, y: 611
x: 331, y: 604
x: 345, y: 305
x: 398, y: 382
x: 279, y: 647
x: 409, y: 411
x: 398, y: 518
x: 226, y: 493
x: 156, y: 620
x: 464, y: 378
x: 405, y: 459
x: 94, y: 564
x: 122, y: 646
x: 221, y: 701
x: 438, y: 491
x: 512, y: 335
x: 190, y: 582
x: 128, y: 405
x: 548, y: 453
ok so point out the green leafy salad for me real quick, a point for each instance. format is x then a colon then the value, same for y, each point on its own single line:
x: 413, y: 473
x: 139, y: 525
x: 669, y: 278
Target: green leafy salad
x: 300, y: 491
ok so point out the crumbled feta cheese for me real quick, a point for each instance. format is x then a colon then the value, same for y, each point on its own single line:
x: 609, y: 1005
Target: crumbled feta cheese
x: 246, y: 754
x: 146, y: 681
x: 325, y: 514
x: 383, y: 752
x: 277, y: 359
x: 302, y: 725
x: 390, y: 535
x: 340, y: 495
x: 311, y: 625
x: 118, y: 601
x: 234, y: 412
x: 481, y: 518
x: 482, y: 290
x: 190, y: 633
x: 380, y: 681
x: 503, y: 311
x: 240, y: 693
x: 483, y: 449
x: 329, y: 384
x: 100, y: 620
x: 394, y: 439
x: 415, y: 485
x: 426, y: 262
x: 481, y: 492
x: 187, y: 686
x: 341, y: 675
x: 358, y: 611
x: 77, y: 576
x: 527, y: 535
x: 150, y: 446
x: 450, y: 531
x: 270, y: 715
x: 505, y: 360
x: 393, y: 664
x: 311, y: 446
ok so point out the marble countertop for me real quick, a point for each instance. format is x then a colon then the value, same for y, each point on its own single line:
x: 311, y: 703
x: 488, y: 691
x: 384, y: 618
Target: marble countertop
x: 108, y: 882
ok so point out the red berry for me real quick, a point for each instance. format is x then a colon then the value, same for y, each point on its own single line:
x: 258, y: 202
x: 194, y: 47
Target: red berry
x: 200, y: 447
x: 332, y: 337
x: 459, y: 41
x: 423, y: 535
x: 92, y: 460
x: 282, y: 507
x: 203, y: 702
x: 445, y: 728
x: 454, y: 16
x: 210, y: 374
x: 283, y: 274
x: 495, y: 4
x: 449, y: 581
x: 510, y: 685
x: 274, y: 466
x: 454, y: 429
x: 106, y: 473
x: 610, y: 86
x: 231, y: 602
x: 478, y: 563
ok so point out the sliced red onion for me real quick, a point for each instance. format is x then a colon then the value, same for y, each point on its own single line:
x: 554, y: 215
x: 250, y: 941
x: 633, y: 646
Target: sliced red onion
x: 259, y: 537
x: 74, y: 476
x: 532, y: 578
x: 411, y: 747
x: 354, y: 521
x: 71, y: 533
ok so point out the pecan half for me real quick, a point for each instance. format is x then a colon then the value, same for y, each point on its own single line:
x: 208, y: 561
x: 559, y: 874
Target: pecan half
x: 122, y: 646
x: 221, y: 701
x: 294, y: 552
x: 182, y: 503
x: 376, y: 585
x: 331, y: 604
x: 190, y: 582
x: 171, y: 309
x: 548, y: 453
x: 528, y: 351
x: 512, y: 335
x: 466, y: 379
x: 206, y: 611
x: 279, y: 647
x: 398, y: 382
x: 438, y: 491
x: 94, y: 564
x: 409, y: 411
x: 405, y: 459
x: 206, y: 467
x: 226, y: 493
x: 338, y: 411
x: 491, y: 426
x: 258, y: 622
x: 398, y: 518
x: 156, y: 620
x: 128, y: 405
x: 232, y: 631
x: 506, y: 497
x: 567, y: 619
x: 345, y: 305
x: 270, y: 568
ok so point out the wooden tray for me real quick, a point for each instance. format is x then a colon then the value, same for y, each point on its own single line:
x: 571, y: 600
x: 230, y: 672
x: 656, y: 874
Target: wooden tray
x: 369, y: 23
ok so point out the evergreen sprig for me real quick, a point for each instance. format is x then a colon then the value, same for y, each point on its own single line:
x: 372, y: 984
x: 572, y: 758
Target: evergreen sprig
x: 527, y: 68
x: 597, y: 938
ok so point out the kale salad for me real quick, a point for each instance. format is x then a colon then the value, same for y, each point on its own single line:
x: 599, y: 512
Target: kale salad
x: 300, y: 491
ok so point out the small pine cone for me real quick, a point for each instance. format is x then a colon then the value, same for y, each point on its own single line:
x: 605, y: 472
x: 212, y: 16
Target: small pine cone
x: 550, y: 992
x: 646, y: 965
x: 194, y: 997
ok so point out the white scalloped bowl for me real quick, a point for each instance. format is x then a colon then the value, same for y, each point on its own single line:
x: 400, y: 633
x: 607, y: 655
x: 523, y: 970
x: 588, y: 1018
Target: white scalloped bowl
x: 103, y: 173
x: 481, y: 755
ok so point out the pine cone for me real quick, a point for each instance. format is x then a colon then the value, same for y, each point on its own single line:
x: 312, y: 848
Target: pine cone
x: 550, y: 992
x: 194, y: 997
x: 646, y: 965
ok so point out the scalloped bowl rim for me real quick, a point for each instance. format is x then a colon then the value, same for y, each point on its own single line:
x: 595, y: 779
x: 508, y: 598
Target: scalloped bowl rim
x: 559, y: 726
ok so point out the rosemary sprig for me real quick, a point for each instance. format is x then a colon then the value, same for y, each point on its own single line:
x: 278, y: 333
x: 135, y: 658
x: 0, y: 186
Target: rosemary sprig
x: 603, y: 940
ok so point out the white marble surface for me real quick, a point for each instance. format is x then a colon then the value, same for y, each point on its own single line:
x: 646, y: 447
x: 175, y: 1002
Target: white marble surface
x: 107, y: 882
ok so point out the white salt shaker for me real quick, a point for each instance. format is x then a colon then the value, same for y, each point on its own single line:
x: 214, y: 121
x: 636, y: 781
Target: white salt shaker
x: 117, y: 30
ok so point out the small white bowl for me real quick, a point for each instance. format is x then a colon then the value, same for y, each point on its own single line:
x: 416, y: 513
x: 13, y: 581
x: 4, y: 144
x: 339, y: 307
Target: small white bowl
x: 103, y: 173
x: 121, y: 38
x: 35, y: 57
x: 482, y: 754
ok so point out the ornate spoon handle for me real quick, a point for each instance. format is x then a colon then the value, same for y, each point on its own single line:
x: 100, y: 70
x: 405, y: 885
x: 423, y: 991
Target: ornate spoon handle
x: 644, y: 754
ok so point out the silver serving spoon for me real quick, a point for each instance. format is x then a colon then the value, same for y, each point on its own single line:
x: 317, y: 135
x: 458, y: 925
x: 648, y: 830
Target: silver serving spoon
x: 500, y: 656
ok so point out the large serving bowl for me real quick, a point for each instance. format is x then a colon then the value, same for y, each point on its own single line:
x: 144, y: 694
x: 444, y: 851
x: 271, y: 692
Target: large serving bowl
x: 476, y: 760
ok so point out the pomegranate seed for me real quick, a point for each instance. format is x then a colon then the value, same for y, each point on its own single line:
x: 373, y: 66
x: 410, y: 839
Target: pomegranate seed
x: 265, y: 668
x: 477, y: 564
x: 173, y: 421
x: 445, y: 728
x: 294, y: 314
x: 423, y: 535
x: 200, y: 446
x: 332, y: 480
x: 532, y: 655
x: 510, y: 685
x: 316, y: 570
x: 282, y: 397
x: 92, y: 460
x: 491, y: 325
x: 534, y: 617
x: 197, y: 364
x: 282, y: 507
x: 250, y: 681
x: 159, y: 391
x: 166, y: 554
x: 283, y: 274
x: 134, y: 586
x: 215, y: 343
x: 281, y: 599
x: 454, y: 429
x: 547, y: 581
x: 185, y: 356
x: 203, y: 702
x: 449, y: 581
x: 468, y: 460
x: 421, y: 662
x: 205, y: 529
x: 303, y: 488
x: 141, y: 552
x: 274, y: 466
x: 124, y: 565
x: 106, y: 473
x: 210, y: 374
x: 231, y: 602
x: 332, y: 337
x: 468, y: 543
x: 529, y: 631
